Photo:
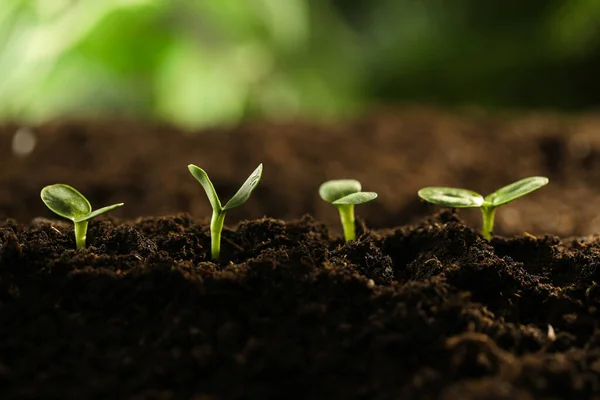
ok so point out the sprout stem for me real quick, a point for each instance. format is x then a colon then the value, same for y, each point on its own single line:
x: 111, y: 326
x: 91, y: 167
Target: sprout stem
x: 80, y: 234
x: 216, y: 227
x: 487, y: 214
x: 347, y: 217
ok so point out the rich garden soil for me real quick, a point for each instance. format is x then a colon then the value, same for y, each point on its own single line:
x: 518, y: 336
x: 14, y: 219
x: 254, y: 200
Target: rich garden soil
x: 419, y: 307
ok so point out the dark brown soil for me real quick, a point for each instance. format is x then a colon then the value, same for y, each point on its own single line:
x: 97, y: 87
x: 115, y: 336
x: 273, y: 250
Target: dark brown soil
x: 422, y: 311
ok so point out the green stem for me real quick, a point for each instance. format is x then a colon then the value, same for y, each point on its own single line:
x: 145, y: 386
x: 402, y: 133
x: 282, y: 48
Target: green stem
x: 347, y: 216
x: 80, y: 234
x: 487, y: 214
x: 216, y: 227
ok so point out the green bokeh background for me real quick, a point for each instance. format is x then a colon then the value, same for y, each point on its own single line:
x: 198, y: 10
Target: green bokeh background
x: 211, y: 62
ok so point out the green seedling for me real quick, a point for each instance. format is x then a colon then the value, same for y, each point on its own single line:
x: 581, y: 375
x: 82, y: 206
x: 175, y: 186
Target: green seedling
x: 345, y: 194
x: 219, y: 211
x: 67, y: 202
x: 462, y: 198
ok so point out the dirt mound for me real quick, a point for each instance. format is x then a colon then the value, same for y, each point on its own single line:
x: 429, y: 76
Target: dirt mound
x: 427, y: 311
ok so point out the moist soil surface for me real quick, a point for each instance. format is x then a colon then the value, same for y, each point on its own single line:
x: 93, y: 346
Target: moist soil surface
x: 419, y: 307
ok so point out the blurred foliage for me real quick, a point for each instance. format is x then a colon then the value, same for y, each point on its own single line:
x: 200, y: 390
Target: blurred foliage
x: 206, y: 62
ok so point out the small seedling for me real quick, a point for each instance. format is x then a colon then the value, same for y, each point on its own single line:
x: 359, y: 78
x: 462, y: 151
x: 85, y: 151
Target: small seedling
x: 219, y: 211
x: 462, y: 198
x: 345, y: 194
x: 67, y: 202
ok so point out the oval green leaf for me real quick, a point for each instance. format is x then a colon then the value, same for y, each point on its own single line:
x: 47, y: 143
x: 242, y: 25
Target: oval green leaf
x: 333, y: 190
x: 99, y: 211
x: 356, y: 198
x: 65, y: 201
x: 243, y: 194
x: 515, y: 190
x: 202, y: 177
x: 451, y: 197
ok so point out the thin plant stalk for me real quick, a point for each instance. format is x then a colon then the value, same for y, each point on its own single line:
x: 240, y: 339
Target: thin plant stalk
x: 488, y: 214
x: 216, y: 227
x: 81, y: 234
x: 348, y: 223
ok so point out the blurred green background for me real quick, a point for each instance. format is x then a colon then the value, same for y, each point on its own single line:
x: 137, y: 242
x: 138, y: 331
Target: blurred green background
x: 209, y: 62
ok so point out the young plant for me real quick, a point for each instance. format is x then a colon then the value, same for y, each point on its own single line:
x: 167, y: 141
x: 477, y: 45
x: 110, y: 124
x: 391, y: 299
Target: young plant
x: 462, y: 198
x: 67, y: 202
x: 219, y: 211
x: 345, y: 194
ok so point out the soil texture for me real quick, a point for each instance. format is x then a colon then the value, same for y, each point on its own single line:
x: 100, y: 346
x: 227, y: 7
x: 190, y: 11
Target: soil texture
x: 419, y: 312
x: 420, y: 306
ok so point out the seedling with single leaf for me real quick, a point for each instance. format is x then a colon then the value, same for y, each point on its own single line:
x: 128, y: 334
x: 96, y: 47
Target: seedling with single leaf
x: 67, y: 202
x: 345, y: 194
x: 219, y: 211
x: 462, y: 198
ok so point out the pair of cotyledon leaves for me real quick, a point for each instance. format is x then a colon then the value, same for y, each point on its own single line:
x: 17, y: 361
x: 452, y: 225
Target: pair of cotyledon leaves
x: 67, y: 202
x: 344, y: 192
x: 241, y: 196
x: 462, y: 198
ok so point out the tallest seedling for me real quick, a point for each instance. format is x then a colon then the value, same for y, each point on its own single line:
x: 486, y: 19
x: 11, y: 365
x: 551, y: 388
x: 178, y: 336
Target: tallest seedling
x: 219, y: 211
x: 463, y: 198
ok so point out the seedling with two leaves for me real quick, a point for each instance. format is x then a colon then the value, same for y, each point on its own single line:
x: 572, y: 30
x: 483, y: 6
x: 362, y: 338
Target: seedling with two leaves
x: 67, y: 202
x: 345, y: 194
x: 219, y: 211
x: 463, y: 198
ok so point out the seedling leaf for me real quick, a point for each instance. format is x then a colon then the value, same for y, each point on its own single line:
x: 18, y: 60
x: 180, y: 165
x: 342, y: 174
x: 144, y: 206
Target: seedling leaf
x: 99, y: 211
x: 451, y: 197
x: 356, y: 198
x: 243, y: 194
x: 65, y: 201
x: 331, y: 191
x: 515, y: 190
x: 202, y: 177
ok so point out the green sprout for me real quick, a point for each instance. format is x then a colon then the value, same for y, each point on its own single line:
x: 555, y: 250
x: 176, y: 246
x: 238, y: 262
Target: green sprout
x: 67, y: 202
x: 219, y: 211
x: 462, y: 198
x: 345, y: 194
